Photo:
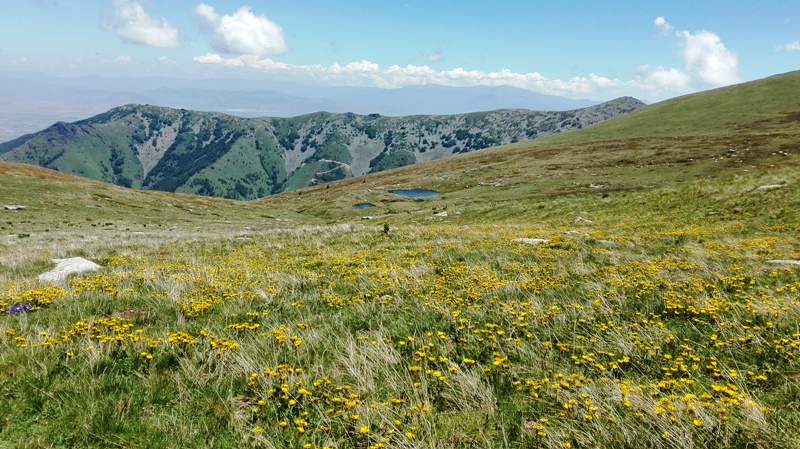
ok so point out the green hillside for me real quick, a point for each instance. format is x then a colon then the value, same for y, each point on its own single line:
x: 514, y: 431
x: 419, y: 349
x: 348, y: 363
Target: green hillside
x: 743, y: 130
x: 210, y: 154
x: 634, y: 284
x: 735, y: 109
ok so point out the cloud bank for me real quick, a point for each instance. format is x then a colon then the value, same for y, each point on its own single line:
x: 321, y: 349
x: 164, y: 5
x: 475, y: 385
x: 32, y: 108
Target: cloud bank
x: 135, y: 26
x: 708, y: 64
x: 242, y: 32
x: 370, y: 73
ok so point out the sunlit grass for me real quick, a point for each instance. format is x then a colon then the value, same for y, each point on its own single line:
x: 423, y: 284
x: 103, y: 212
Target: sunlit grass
x: 620, y: 334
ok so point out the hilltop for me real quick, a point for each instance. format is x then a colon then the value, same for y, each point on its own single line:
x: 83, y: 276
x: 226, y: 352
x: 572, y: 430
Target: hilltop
x: 212, y: 154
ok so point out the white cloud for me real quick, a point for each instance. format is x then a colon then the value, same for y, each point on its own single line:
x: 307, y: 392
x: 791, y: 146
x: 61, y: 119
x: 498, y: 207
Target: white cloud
x: 209, y: 58
x: 207, y: 12
x: 242, y: 32
x: 369, y: 73
x: 708, y: 62
x: 658, y: 79
x: 135, y: 26
x: 791, y: 46
x: 661, y: 22
x: 123, y: 60
x: 362, y: 66
x: 603, y: 82
x: 707, y: 58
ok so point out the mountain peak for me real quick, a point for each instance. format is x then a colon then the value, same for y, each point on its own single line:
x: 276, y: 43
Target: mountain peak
x: 210, y: 153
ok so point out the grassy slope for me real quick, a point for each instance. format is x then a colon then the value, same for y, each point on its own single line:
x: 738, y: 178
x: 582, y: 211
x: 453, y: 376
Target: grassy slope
x: 67, y: 215
x: 665, y: 145
x: 650, y: 318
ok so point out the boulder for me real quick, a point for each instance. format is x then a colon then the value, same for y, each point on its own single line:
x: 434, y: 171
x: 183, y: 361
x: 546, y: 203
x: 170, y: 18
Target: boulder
x: 66, y: 267
x: 531, y: 241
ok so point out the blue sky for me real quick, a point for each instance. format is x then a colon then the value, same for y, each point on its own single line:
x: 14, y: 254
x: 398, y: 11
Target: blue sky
x: 578, y: 49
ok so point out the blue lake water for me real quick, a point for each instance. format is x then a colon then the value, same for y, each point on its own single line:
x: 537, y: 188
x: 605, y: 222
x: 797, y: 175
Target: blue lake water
x: 416, y: 193
x: 363, y: 205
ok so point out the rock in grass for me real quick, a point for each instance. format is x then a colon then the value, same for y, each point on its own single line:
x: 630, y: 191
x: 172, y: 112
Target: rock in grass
x: 65, y: 267
x: 14, y: 207
x: 531, y: 241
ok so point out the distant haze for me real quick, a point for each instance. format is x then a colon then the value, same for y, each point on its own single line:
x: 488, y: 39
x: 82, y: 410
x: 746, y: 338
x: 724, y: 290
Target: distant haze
x: 30, y: 103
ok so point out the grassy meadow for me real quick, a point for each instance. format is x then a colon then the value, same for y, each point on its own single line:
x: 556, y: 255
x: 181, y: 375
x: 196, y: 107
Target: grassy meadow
x: 623, y: 289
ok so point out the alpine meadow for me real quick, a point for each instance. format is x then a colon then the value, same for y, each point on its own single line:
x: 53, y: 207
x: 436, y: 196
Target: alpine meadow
x: 635, y: 283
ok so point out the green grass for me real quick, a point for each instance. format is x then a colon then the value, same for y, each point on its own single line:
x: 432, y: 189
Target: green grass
x: 433, y: 336
x: 651, y: 317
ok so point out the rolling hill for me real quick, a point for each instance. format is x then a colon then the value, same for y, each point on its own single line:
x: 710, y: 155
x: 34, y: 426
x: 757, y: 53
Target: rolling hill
x: 156, y: 148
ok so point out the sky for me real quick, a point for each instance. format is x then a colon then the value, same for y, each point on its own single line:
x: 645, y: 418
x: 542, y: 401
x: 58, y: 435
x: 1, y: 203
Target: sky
x: 597, y: 50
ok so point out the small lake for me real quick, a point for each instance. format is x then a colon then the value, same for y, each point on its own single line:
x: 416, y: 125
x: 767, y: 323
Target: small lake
x: 415, y: 193
x: 363, y: 205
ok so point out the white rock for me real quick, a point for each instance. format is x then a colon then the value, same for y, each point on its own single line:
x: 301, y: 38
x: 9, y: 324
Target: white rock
x: 14, y: 207
x: 578, y: 233
x: 440, y: 214
x: 769, y: 187
x: 531, y: 241
x: 65, y: 267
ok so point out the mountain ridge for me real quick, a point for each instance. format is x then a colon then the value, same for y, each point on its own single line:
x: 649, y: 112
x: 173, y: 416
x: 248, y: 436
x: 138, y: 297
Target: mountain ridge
x: 31, y: 101
x: 216, y: 154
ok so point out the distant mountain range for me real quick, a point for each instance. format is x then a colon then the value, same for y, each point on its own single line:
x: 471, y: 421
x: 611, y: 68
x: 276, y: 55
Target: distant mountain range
x: 214, y: 154
x: 30, y: 102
